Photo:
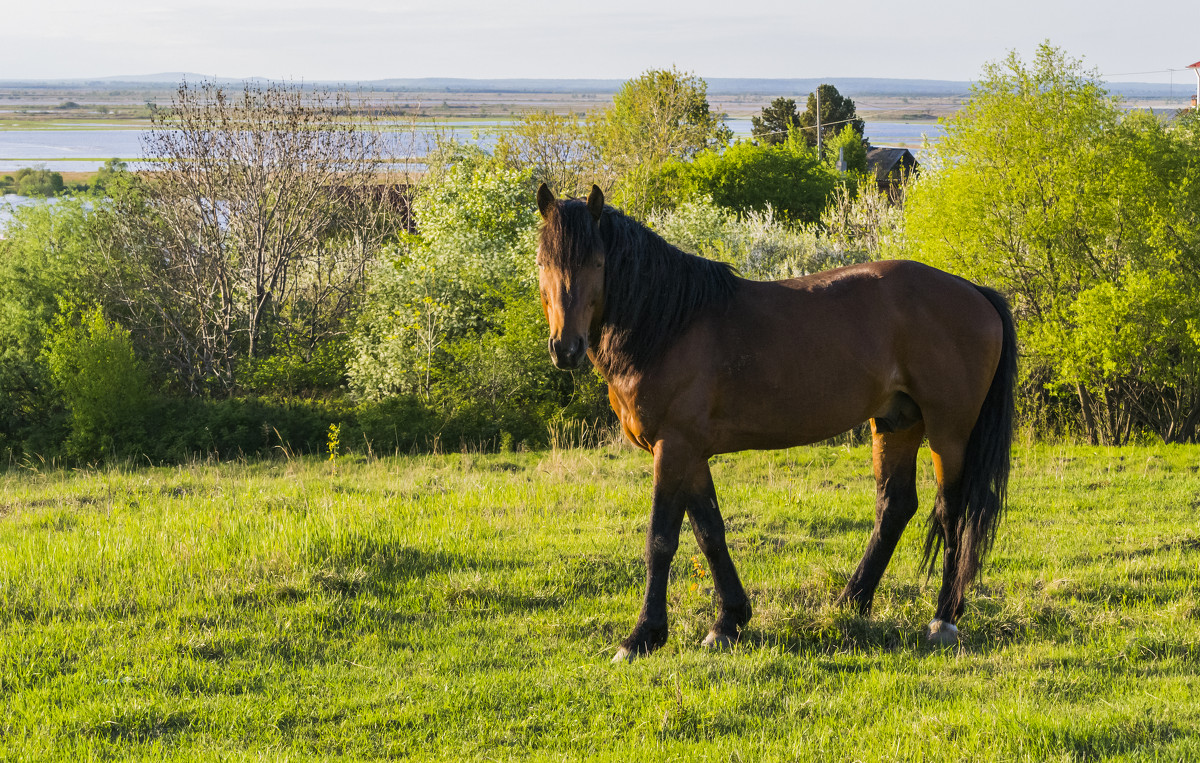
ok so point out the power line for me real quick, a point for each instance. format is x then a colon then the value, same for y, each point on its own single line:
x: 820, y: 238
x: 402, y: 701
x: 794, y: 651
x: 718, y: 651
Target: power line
x: 824, y: 124
x: 1134, y: 74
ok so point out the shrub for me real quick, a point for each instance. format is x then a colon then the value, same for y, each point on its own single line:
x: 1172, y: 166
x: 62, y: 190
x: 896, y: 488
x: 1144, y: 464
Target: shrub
x: 787, y: 178
x: 103, y: 384
x: 758, y: 244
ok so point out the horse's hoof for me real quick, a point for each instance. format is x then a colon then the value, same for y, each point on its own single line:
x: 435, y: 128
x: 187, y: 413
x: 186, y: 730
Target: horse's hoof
x: 942, y: 633
x: 716, y: 640
x: 623, y: 655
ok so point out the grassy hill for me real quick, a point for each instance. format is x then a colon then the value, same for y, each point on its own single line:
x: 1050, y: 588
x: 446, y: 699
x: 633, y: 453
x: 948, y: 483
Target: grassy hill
x: 466, y: 606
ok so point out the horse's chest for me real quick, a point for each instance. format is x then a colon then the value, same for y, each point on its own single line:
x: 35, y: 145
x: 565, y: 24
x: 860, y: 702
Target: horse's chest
x: 624, y: 401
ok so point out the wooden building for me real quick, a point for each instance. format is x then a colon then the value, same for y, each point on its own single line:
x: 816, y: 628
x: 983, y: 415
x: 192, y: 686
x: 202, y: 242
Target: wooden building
x: 891, y: 168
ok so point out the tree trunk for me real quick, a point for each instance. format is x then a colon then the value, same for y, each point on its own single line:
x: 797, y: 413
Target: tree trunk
x: 1089, y: 417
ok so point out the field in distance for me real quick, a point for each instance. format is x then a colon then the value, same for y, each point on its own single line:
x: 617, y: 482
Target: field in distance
x: 80, y: 105
x: 466, y: 606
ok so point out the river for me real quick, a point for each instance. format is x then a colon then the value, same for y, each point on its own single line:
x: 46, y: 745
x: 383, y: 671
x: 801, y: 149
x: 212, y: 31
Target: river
x: 84, y: 150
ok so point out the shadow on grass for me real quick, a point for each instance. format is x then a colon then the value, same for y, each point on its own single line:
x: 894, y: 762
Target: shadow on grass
x: 472, y: 598
x: 1156, y: 588
x: 835, y: 631
x: 386, y: 558
x: 140, y: 725
x: 1185, y: 544
x: 1117, y: 734
x: 355, y: 563
x: 597, y: 574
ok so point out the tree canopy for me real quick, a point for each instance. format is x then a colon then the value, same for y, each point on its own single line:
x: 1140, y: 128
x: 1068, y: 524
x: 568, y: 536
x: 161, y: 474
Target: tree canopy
x: 837, y: 111
x: 661, y: 115
x: 776, y: 121
x: 1087, y: 217
x: 745, y: 177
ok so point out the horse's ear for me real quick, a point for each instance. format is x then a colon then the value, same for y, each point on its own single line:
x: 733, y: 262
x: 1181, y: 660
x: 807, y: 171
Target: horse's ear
x: 596, y: 202
x: 545, y: 198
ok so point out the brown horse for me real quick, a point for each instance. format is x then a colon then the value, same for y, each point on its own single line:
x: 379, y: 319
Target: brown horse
x: 700, y: 362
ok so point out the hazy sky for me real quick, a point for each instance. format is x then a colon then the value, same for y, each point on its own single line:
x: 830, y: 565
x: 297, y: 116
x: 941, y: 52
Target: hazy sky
x: 372, y: 39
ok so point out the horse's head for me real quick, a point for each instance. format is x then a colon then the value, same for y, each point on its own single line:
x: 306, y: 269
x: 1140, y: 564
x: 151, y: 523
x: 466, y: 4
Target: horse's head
x: 570, y: 261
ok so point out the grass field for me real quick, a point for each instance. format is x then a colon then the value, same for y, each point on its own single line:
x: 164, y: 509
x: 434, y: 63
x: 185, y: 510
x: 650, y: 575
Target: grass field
x: 466, y: 606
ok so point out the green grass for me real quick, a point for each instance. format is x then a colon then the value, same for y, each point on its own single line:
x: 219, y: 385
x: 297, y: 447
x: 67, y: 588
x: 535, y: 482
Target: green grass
x: 49, y: 124
x: 466, y: 607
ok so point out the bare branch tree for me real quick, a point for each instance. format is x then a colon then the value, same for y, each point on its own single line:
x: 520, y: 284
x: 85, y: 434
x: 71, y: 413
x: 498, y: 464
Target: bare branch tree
x: 263, y: 210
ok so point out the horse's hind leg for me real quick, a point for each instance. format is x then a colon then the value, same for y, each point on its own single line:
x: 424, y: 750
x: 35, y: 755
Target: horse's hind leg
x: 894, y: 456
x: 947, y: 517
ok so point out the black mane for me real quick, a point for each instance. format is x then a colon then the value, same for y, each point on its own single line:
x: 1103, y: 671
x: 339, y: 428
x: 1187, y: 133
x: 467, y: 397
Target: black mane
x: 653, y: 291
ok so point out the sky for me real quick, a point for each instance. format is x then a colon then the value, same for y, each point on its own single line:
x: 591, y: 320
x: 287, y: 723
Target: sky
x: 362, y: 40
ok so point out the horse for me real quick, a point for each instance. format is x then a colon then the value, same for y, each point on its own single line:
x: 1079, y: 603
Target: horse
x: 700, y: 361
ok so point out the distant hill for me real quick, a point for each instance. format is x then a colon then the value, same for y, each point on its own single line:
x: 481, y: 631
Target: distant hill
x: 159, y: 80
x: 851, y: 86
x: 716, y: 86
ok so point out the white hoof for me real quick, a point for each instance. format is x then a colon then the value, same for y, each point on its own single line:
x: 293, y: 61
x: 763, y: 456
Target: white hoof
x: 942, y: 633
x: 623, y: 655
x: 716, y: 641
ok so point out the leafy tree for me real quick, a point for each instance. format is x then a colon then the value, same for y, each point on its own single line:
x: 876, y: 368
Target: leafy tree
x: 852, y: 147
x: 837, y: 111
x: 108, y: 174
x: 658, y: 116
x: 555, y: 148
x: 787, y: 178
x: 776, y: 122
x: 49, y: 254
x: 1082, y: 214
x: 37, y: 182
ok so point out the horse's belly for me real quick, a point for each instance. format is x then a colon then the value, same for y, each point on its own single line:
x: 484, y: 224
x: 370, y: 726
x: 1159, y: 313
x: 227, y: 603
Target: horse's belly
x: 754, y: 413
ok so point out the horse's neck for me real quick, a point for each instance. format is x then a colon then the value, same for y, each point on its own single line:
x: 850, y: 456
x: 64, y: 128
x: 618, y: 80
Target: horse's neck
x: 610, y: 355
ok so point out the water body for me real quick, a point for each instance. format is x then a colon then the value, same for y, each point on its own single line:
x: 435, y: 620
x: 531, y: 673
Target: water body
x: 879, y: 133
x: 10, y: 202
x: 85, y: 150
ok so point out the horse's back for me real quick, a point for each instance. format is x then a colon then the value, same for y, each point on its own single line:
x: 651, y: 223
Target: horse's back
x: 796, y: 361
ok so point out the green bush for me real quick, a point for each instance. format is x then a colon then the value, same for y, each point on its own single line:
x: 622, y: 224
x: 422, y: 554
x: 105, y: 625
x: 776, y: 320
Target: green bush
x: 48, y: 257
x: 189, y: 428
x: 103, y: 384
x: 1087, y: 216
x: 477, y: 222
x: 760, y: 245
x: 37, y: 182
x: 788, y: 178
x: 292, y: 371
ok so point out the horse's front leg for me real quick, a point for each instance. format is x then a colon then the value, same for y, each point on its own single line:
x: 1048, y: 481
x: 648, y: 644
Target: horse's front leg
x: 679, y: 477
x: 709, y: 529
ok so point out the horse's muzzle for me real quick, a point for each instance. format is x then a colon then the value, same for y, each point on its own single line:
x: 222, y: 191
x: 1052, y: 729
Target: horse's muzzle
x: 568, y: 354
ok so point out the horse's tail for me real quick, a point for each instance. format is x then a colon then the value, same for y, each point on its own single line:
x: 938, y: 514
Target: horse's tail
x: 984, y: 486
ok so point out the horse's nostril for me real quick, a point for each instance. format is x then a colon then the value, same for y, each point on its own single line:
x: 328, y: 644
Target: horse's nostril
x: 567, y: 353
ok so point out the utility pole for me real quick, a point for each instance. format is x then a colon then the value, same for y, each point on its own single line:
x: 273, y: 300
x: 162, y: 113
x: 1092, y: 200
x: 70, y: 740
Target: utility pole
x: 821, y: 142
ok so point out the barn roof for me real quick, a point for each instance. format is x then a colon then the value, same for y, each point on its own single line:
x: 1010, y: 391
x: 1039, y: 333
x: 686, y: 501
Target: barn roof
x: 883, y: 159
